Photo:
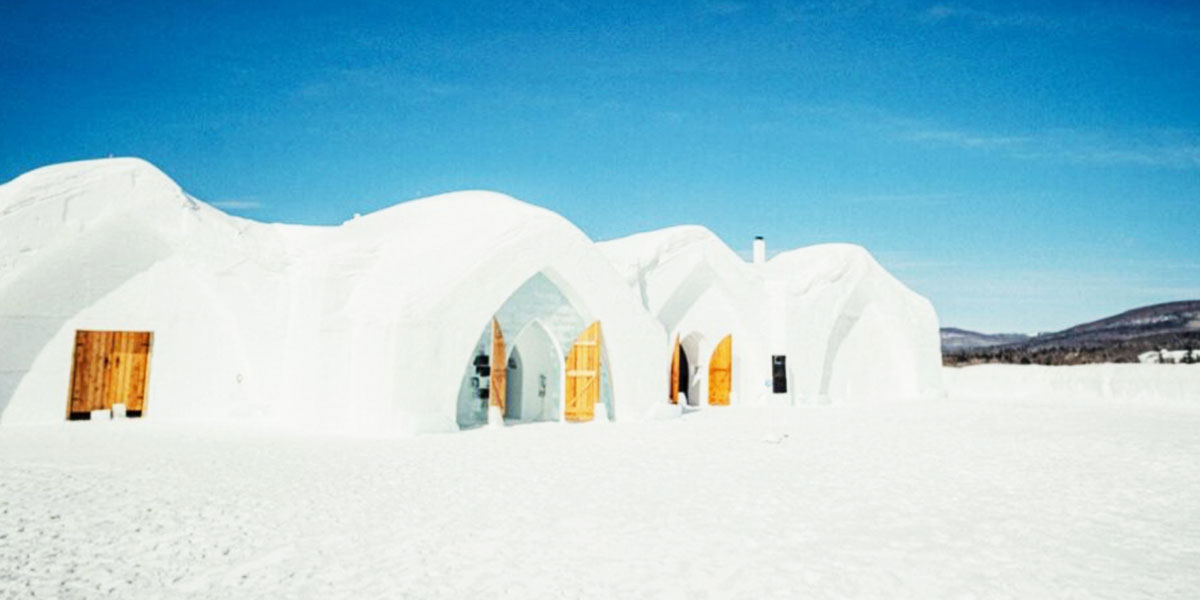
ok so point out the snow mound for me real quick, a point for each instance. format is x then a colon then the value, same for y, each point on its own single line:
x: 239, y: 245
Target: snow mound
x: 1138, y: 384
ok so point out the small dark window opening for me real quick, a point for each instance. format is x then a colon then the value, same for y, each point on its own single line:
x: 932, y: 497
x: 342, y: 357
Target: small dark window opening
x: 685, y: 371
x: 779, y: 374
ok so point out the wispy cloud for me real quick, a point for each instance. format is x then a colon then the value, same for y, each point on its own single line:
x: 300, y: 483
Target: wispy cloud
x: 1169, y: 149
x: 1161, y: 148
x: 799, y: 12
x: 237, y: 204
x: 1156, y: 149
x: 964, y: 139
x: 1133, y: 19
x: 376, y: 81
x: 721, y: 8
x: 946, y: 12
x: 908, y: 200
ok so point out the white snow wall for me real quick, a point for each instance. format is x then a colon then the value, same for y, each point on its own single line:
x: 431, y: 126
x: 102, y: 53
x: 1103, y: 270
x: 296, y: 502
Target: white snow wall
x: 860, y: 334
x: 850, y: 331
x: 700, y: 292
x: 115, y: 245
x: 445, y: 325
x: 359, y: 328
x: 367, y: 327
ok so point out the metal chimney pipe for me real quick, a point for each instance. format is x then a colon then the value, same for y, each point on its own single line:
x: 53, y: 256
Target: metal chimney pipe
x: 760, y: 250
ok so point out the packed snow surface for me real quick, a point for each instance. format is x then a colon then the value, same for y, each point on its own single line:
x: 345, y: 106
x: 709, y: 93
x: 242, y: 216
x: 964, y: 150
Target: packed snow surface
x: 985, y: 496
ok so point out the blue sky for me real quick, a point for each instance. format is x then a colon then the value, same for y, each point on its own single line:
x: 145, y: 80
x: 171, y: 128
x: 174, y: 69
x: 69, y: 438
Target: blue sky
x: 1025, y: 166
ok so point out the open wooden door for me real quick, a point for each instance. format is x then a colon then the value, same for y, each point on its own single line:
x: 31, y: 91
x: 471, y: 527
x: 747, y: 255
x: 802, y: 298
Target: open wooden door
x: 499, y: 385
x: 109, y: 367
x: 583, y: 375
x: 720, y: 371
x: 675, y: 372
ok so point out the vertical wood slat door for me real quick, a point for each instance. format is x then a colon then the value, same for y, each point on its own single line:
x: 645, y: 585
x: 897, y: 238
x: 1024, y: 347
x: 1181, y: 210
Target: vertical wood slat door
x: 109, y: 367
x: 138, y: 368
x: 87, y: 371
x: 583, y: 375
x: 720, y: 371
x: 675, y: 373
x: 499, y: 385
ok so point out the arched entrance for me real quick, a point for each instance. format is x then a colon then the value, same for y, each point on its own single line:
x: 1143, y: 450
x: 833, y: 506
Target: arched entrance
x: 526, y: 377
x: 691, y: 379
x: 534, y: 374
x: 681, y: 373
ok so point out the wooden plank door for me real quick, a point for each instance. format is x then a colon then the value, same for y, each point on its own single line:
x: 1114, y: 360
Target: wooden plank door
x: 583, y: 375
x: 720, y: 371
x: 134, y: 362
x: 499, y: 384
x: 109, y: 367
x: 675, y: 373
x: 87, y: 372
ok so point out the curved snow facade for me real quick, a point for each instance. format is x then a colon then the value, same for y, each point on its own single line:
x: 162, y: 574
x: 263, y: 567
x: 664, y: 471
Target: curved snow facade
x: 362, y: 327
x: 402, y: 295
x: 820, y: 324
x: 117, y: 245
x: 379, y: 325
x: 701, y: 292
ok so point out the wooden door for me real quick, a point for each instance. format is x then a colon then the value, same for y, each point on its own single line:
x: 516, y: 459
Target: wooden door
x: 583, y: 375
x: 499, y: 384
x: 720, y: 371
x: 109, y: 367
x: 675, y: 373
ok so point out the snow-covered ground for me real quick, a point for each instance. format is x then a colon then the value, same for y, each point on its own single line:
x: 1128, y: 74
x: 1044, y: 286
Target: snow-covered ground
x: 980, y: 495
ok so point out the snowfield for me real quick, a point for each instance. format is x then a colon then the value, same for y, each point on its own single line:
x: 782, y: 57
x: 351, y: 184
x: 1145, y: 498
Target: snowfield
x: 980, y: 495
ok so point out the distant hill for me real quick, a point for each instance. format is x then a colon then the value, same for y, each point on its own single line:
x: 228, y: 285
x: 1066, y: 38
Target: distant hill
x: 1119, y: 338
x: 954, y: 338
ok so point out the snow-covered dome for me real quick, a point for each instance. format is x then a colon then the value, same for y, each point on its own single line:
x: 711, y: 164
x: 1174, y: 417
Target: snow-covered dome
x: 361, y: 326
x: 873, y: 337
x: 115, y: 244
x: 370, y: 325
x: 830, y: 317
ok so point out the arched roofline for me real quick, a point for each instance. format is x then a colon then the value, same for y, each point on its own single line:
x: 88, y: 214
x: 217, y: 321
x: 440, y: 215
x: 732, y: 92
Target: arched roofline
x: 684, y: 297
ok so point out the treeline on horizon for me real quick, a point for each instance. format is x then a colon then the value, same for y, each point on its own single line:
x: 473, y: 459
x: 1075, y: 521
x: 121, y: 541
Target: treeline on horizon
x: 1108, y: 351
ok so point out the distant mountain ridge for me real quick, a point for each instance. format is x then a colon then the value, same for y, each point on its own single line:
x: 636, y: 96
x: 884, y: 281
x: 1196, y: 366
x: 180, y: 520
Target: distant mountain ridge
x: 1119, y: 338
x: 954, y: 338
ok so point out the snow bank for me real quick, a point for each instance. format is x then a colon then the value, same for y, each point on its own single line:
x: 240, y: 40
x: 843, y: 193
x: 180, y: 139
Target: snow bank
x: 1165, y: 356
x: 1121, y: 383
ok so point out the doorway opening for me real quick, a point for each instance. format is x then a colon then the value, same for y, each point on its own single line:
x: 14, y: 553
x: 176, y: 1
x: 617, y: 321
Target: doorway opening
x: 529, y: 377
